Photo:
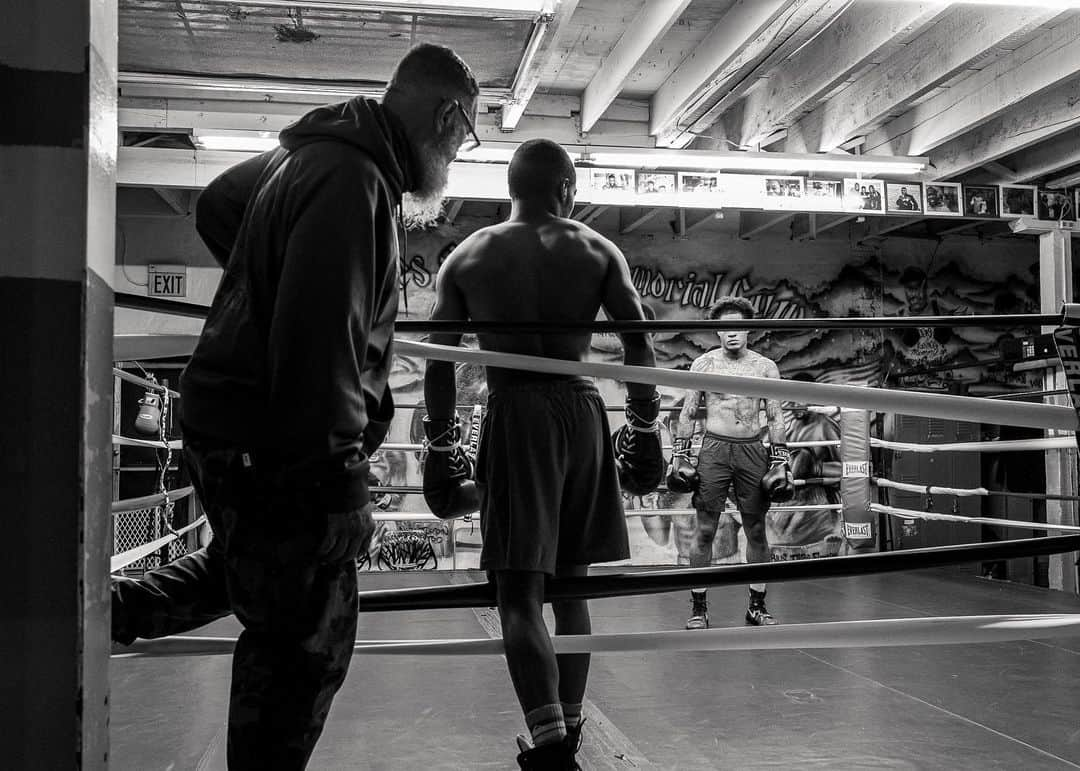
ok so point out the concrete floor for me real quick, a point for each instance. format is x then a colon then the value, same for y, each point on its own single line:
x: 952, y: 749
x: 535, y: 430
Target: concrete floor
x: 999, y: 705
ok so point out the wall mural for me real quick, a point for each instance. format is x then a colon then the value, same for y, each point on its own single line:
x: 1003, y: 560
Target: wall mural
x: 680, y: 279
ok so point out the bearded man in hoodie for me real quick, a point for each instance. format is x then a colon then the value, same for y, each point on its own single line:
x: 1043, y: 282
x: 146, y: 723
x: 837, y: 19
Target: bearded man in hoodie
x: 286, y: 395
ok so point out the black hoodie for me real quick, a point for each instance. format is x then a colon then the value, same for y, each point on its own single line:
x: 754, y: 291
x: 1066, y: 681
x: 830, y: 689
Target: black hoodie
x: 294, y: 360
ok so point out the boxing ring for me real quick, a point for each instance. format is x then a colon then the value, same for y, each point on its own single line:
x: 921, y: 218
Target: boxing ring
x: 901, y: 659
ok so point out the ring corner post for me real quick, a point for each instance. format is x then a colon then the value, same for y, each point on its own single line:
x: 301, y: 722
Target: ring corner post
x: 860, y: 531
x: 1056, y: 289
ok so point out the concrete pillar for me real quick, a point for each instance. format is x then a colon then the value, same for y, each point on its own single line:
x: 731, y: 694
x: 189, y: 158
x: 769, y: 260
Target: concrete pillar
x: 58, y: 138
x: 1056, y: 282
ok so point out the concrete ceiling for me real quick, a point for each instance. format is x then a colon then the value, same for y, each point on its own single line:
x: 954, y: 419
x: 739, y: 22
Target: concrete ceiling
x: 988, y: 93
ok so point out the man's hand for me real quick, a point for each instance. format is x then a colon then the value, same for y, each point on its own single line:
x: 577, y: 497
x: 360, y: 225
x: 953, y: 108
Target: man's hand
x: 778, y: 482
x: 683, y: 474
x: 449, y: 489
x: 639, y: 457
x: 348, y: 534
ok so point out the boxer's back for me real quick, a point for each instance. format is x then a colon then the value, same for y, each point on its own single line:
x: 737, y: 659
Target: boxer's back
x: 551, y: 271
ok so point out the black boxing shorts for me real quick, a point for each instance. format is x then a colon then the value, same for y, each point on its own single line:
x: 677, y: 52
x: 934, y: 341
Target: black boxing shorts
x: 729, y: 464
x: 549, y: 493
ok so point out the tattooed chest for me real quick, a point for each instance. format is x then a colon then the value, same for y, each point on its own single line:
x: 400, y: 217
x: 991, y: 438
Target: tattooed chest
x: 734, y: 408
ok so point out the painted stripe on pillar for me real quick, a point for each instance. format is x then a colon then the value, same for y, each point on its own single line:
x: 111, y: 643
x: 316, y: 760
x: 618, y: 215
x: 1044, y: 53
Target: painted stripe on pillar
x: 50, y: 107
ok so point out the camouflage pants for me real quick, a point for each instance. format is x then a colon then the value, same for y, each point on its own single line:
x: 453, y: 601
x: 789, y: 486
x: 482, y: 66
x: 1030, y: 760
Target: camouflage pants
x: 299, y: 616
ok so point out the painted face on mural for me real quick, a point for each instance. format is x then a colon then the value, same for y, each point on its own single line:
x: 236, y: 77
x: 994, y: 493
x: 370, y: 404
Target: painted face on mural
x: 733, y: 340
x: 915, y: 294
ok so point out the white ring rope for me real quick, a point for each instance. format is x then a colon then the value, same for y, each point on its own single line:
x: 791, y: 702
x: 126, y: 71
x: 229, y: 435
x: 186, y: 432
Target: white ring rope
x: 149, y: 501
x: 125, y: 558
x: 1001, y: 445
x: 946, y: 406
x: 403, y: 516
x: 928, y: 489
x: 873, y: 633
x: 141, y: 381
x: 912, y: 514
x: 124, y: 441
x: 412, y: 446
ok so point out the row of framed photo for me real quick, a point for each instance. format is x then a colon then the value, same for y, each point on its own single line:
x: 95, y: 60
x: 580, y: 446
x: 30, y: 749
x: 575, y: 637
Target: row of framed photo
x: 852, y: 195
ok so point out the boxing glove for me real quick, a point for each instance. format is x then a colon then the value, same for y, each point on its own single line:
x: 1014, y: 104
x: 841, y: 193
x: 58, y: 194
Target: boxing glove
x: 148, y: 419
x: 639, y: 456
x: 448, y: 486
x: 683, y: 474
x: 777, y: 482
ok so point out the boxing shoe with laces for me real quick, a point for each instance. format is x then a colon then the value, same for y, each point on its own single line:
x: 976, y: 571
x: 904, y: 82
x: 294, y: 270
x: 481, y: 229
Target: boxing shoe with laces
x: 557, y: 756
x: 756, y: 612
x: 699, y: 614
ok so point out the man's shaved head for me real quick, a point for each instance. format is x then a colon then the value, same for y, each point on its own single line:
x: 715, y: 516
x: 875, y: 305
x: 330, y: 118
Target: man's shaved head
x: 538, y: 169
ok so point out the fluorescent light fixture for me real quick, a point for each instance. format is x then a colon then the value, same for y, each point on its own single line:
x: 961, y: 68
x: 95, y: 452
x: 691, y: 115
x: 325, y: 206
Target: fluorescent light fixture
x: 238, y: 141
x: 757, y: 161
x: 488, y: 8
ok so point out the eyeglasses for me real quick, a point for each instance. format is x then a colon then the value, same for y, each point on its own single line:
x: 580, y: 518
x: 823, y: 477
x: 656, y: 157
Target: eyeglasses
x: 470, y: 143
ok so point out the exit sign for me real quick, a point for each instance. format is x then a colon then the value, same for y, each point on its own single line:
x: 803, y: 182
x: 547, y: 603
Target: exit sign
x: 167, y: 280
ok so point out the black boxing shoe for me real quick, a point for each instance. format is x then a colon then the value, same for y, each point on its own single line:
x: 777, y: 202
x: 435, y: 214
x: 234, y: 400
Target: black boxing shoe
x: 699, y: 614
x: 756, y: 612
x: 558, y: 756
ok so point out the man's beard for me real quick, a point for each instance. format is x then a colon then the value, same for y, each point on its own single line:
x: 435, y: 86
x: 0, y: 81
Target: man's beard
x: 421, y: 208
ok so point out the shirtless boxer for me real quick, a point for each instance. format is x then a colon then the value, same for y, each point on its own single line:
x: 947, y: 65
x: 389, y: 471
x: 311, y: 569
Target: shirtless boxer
x: 732, y: 456
x: 546, y: 468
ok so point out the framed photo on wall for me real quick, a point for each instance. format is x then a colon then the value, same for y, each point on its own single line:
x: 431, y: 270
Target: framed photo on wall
x: 980, y: 201
x: 653, y: 183
x: 699, y: 188
x: 942, y: 198
x: 1017, y: 200
x: 1055, y: 205
x: 824, y: 194
x: 866, y: 195
x: 778, y: 189
x: 903, y: 197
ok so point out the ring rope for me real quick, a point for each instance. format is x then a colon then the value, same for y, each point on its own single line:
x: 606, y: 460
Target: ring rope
x: 968, y: 491
x: 125, y: 441
x: 193, y: 310
x: 482, y: 595
x: 1001, y: 445
x: 418, y: 516
x: 140, y: 381
x: 870, y: 633
x: 911, y: 514
x: 946, y: 406
x: 125, y: 558
x: 149, y: 501
x: 417, y: 490
x: 416, y: 447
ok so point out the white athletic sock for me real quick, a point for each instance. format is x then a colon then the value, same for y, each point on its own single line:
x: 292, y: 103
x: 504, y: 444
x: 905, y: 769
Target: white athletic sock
x: 546, y: 724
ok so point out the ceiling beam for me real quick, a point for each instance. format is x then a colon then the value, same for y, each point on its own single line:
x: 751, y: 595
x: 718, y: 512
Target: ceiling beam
x: 794, y: 32
x: 650, y: 24
x: 843, y: 47
x: 1041, y: 63
x: 1034, y: 120
x: 705, y: 220
x: 807, y: 227
x: 630, y: 219
x: 948, y: 46
x: 594, y: 215
x: 703, y: 71
x: 752, y: 223
x: 177, y: 200
x: 1050, y: 157
x: 547, y: 41
x: 453, y: 209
